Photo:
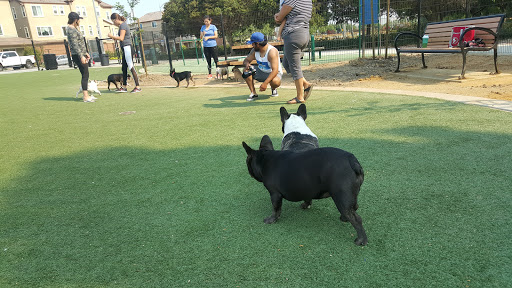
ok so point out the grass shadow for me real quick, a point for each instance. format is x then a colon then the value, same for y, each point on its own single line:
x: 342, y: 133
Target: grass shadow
x: 72, y: 99
x: 130, y: 215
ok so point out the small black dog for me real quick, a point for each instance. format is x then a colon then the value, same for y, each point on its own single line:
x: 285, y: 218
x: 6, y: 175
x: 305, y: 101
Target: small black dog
x: 304, y: 176
x: 114, y: 78
x: 182, y: 75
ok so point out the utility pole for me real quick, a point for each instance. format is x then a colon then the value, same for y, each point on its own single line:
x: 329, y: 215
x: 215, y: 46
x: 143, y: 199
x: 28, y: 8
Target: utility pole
x: 97, y: 21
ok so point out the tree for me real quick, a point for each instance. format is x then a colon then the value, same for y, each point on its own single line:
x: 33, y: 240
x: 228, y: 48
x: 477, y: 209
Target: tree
x: 120, y: 9
x: 185, y: 17
x: 132, y: 4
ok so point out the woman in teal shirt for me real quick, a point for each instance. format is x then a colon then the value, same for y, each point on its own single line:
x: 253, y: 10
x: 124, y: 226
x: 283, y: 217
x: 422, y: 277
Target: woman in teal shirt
x: 209, y: 36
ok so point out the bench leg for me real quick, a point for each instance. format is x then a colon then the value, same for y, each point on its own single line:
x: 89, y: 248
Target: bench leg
x: 495, y: 61
x: 463, y: 66
x: 320, y: 54
x: 423, y: 60
x: 398, y: 66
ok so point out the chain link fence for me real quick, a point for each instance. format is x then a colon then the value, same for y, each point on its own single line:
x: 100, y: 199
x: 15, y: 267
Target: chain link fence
x: 340, y: 30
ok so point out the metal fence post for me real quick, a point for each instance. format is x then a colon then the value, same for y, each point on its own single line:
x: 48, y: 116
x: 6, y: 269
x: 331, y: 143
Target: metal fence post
x: 168, y: 51
x: 35, y: 54
x: 312, y: 48
x: 87, y: 49
x: 223, y: 38
x: 68, y: 54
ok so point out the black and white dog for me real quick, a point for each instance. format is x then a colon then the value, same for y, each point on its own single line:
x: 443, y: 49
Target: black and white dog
x: 311, y: 174
x: 297, y: 136
x: 92, y: 86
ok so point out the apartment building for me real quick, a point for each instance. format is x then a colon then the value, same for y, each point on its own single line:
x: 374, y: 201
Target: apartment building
x: 45, y: 21
x: 151, y: 22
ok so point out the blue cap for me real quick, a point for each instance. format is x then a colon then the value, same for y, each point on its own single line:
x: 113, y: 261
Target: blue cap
x: 256, y: 37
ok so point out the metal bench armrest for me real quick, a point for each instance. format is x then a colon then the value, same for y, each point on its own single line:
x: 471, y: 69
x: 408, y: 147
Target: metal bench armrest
x: 494, y: 46
x: 405, y: 34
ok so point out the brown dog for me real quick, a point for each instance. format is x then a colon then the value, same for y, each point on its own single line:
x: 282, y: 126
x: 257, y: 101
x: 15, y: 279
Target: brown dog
x: 238, y: 75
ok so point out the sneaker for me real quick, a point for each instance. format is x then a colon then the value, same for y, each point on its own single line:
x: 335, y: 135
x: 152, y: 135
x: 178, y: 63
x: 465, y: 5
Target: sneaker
x: 274, y: 93
x: 93, y: 98
x: 136, y: 90
x: 89, y: 101
x: 122, y: 90
x: 252, y: 97
x: 210, y: 76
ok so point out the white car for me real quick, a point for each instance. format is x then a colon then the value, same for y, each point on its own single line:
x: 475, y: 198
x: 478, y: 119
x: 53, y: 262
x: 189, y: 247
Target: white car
x: 12, y: 59
x: 62, y: 60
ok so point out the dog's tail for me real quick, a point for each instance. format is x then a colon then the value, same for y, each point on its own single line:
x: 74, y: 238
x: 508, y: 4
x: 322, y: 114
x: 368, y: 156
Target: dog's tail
x: 358, y: 170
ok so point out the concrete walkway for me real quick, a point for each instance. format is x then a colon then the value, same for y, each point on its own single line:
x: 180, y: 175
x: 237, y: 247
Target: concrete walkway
x: 471, y: 100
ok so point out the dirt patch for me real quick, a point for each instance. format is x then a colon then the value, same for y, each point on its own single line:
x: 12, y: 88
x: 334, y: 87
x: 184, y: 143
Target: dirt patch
x: 440, y: 76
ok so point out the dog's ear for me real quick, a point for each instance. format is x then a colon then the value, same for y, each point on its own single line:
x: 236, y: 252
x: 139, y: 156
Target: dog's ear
x: 248, y: 149
x: 266, y: 143
x: 302, y: 111
x: 284, y: 114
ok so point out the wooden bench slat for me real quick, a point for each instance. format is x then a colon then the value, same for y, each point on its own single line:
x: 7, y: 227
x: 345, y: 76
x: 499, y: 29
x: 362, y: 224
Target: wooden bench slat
x: 476, y: 22
x: 440, y: 37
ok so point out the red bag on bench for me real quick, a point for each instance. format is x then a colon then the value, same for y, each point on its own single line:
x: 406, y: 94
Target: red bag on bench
x: 457, y: 31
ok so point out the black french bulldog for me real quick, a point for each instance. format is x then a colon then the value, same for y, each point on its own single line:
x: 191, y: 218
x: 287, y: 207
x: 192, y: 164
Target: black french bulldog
x: 182, y: 75
x: 114, y: 78
x: 304, y: 176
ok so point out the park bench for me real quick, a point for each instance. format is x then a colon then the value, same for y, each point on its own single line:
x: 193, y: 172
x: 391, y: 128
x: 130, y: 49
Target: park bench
x: 317, y: 49
x: 486, y: 28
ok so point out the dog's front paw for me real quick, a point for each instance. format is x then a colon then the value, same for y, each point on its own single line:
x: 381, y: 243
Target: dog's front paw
x: 305, y: 205
x: 361, y: 241
x: 270, y: 220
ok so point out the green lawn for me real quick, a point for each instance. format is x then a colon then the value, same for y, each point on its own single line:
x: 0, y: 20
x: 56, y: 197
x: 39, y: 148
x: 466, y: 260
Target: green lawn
x: 162, y: 197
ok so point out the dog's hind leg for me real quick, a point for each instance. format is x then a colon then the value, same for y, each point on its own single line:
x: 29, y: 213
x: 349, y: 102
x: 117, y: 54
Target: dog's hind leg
x: 357, y: 223
x: 348, y: 214
x: 277, y: 202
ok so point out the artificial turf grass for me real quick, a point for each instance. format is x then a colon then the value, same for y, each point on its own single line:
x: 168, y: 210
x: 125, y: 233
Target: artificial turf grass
x: 166, y: 199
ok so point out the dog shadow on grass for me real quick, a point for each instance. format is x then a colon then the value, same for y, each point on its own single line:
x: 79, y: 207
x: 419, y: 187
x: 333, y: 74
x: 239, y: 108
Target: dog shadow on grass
x: 71, y: 99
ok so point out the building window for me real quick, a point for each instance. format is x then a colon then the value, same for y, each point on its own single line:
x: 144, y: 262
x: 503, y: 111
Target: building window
x: 64, y: 31
x: 14, y: 13
x: 153, y: 24
x: 27, y: 34
x: 1, y: 30
x: 23, y: 12
x: 81, y: 11
x: 55, y: 10
x: 37, y: 11
x: 44, y: 31
x: 91, y: 33
x: 61, y: 10
x: 108, y: 15
x: 82, y: 29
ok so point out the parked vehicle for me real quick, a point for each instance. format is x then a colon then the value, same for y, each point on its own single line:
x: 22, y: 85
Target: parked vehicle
x: 12, y: 59
x: 96, y: 57
x: 62, y: 60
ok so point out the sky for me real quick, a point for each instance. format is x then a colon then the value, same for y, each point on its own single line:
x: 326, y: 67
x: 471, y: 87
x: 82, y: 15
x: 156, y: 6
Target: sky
x: 145, y: 6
